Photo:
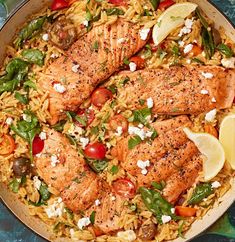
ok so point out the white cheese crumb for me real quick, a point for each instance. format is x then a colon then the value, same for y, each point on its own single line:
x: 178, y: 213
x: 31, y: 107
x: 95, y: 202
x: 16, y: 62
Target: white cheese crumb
x: 113, y: 198
x: 204, y: 92
x: 83, y: 222
x: 181, y: 43
x: 108, y: 145
x: 166, y: 219
x: 144, y: 34
x: 56, y: 209
x: 38, y: 155
x: 228, y: 62
x: 140, y: 126
x: 85, y: 23
x: 119, y: 131
x: 75, y: 68
x: 27, y: 118
x: 128, y: 235
x: 45, y: 37
x: 84, y: 141
x: 54, y: 55
x: 137, y: 131
x: 188, y: 48
x: 203, y: 53
x: 143, y: 165
x: 54, y: 160
x: 43, y: 135
x: 97, y: 202
x: 149, y: 134
x: 188, y: 61
x: 132, y: 66
x: 173, y: 210
x: 9, y: 121
x: 210, y: 116
x: 121, y: 40
x: 187, y: 28
x: 207, y: 75
x: 149, y: 102
x: 36, y: 182
x: 213, y: 100
x: 59, y: 88
x: 215, y: 184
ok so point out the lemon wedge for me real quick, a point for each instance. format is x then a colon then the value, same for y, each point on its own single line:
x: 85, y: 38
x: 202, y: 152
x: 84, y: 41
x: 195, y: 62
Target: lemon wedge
x: 212, y: 150
x: 171, y: 19
x: 227, y: 138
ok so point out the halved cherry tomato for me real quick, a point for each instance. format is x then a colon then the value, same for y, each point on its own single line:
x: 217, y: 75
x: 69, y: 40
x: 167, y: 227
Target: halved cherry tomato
x: 59, y: 4
x: 118, y: 121
x: 88, y: 114
x: 140, y: 62
x: 118, y: 2
x: 196, y: 50
x: 7, y: 145
x: 95, y: 151
x: 165, y: 4
x: 185, y: 211
x: 38, y: 145
x: 100, y: 96
x: 124, y: 187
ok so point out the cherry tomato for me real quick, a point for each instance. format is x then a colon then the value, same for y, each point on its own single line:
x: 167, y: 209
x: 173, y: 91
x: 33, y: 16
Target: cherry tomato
x: 38, y: 145
x: 95, y: 151
x: 196, y: 50
x: 100, y: 96
x: 166, y: 4
x: 118, y: 2
x: 124, y: 187
x: 59, y: 4
x: 88, y: 114
x: 118, y: 121
x: 140, y: 62
x: 7, y: 145
x: 185, y: 211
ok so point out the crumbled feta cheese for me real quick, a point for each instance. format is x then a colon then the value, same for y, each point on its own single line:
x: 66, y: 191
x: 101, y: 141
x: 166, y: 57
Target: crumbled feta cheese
x: 71, y: 232
x: 188, y: 24
x: 121, y: 40
x: 119, y: 131
x: 56, y: 209
x: 113, y: 198
x: 54, y: 55
x: 144, y: 34
x: 188, y: 48
x: 45, y: 37
x: 166, y: 219
x: 172, y: 210
x: 228, y: 62
x: 203, y: 53
x: 149, y: 134
x: 188, y: 61
x: 54, y: 160
x: 43, y: 136
x: 137, y: 131
x: 143, y: 165
x: 108, y: 145
x: 210, y: 116
x: 27, y: 118
x: 213, y: 100
x: 128, y: 235
x: 84, y: 141
x: 85, y: 23
x: 59, y: 88
x: 36, y: 182
x: 97, y: 202
x: 9, y: 121
x: 215, y: 184
x: 207, y: 75
x: 140, y: 126
x: 83, y: 222
x: 75, y: 68
x: 38, y: 155
x: 132, y: 66
x: 181, y: 43
x: 149, y: 102
x: 204, y: 92
x: 75, y: 130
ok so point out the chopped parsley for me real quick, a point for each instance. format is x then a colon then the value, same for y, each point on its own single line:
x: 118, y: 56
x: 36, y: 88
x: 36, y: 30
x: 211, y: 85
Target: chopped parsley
x: 132, y: 142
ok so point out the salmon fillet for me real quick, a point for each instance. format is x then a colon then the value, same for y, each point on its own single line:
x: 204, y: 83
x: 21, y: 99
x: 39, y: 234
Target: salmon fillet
x: 70, y: 175
x: 98, y: 54
x: 180, y: 90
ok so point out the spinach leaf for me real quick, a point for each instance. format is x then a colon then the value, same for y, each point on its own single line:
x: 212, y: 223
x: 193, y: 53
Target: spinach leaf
x: 112, y: 88
x: 43, y: 190
x: 30, y: 84
x: 33, y: 28
x: 141, y: 116
x: 15, y: 184
x: 80, y: 119
x: 133, y: 141
x: 92, y: 217
x: 97, y: 165
x: 69, y: 212
x: 27, y: 129
x: 114, y: 11
x: 155, y: 3
x: 59, y: 126
x: 198, y: 61
x: 34, y: 56
x: 225, y: 50
x: 22, y: 98
x: 158, y: 186
x: 114, y: 170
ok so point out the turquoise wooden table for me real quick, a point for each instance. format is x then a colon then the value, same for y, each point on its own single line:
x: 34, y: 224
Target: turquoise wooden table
x: 12, y: 230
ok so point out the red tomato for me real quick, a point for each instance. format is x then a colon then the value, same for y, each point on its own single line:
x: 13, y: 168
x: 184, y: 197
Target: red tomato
x: 165, y: 4
x: 118, y: 2
x: 7, y: 145
x: 100, y: 96
x: 118, y: 121
x: 124, y: 187
x: 95, y: 151
x: 185, y: 211
x: 59, y: 4
x: 89, y: 114
x: 140, y: 62
x: 38, y: 145
x: 196, y: 50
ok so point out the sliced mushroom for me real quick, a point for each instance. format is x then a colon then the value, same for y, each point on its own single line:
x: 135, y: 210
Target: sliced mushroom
x: 21, y: 166
x: 63, y: 33
x: 147, y: 230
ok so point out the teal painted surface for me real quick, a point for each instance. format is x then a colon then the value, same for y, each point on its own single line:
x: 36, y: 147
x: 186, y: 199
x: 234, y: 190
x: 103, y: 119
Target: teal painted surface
x: 11, y: 230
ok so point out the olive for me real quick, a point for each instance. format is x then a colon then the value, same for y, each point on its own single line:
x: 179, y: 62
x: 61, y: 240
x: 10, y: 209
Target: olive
x: 21, y: 166
x: 216, y: 36
x: 147, y: 231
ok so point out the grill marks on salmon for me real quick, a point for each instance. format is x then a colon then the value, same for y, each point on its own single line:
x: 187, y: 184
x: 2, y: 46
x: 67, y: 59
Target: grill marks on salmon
x: 179, y: 90
x: 173, y: 158
x: 98, y: 54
